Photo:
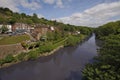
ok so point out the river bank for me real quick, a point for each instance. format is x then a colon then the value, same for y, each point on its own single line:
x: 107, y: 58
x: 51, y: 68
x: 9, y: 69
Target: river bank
x: 41, y: 55
x: 65, y: 64
x: 42, y: 51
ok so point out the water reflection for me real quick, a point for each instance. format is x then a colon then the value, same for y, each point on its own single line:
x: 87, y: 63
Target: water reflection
x: 65, y: 64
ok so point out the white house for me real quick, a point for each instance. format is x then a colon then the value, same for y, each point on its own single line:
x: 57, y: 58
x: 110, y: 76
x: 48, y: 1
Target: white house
x: 1, y: 26
x: 52, y: 28
x: 78, y: 32
x: 9, y: 28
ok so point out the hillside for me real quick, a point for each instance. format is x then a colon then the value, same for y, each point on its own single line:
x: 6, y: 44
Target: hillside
x: 9, y: 17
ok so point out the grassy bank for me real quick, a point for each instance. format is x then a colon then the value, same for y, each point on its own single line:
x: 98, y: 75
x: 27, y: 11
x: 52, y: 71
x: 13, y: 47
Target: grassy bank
x: 43, y: 50
x: 74, y: 39
x: 13, y: 39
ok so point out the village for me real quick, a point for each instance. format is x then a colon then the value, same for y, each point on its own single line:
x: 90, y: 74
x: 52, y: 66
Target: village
x: 28, y: 35
x: 34, y: 31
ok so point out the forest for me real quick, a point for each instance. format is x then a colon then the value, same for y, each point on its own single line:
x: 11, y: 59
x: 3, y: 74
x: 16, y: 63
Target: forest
x: 107, y: 63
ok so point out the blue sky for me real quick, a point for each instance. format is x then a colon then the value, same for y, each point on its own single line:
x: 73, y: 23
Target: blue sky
x: 77, y: 12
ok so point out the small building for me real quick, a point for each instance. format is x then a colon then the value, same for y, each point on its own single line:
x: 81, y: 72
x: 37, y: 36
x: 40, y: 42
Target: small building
x: 7, y: 26
x: 1, y: 26
x: 21, y: 26
x: 78, y: 32
x: 52, y: 28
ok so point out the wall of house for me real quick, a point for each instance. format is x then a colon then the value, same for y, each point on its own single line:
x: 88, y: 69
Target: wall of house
x: 21, y: 26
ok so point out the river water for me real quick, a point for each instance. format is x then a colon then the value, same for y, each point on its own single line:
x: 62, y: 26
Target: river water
x: 66, y: 64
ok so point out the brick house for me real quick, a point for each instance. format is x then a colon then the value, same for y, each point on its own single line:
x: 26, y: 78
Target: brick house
x: 21, y: 26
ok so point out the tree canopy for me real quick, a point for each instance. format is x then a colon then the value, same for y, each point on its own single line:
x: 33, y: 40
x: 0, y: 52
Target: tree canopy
x: 107, y: 65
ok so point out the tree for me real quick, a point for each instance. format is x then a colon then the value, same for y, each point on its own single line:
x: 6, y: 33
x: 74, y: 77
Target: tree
x: 35, y: 18
x: 4, y: 29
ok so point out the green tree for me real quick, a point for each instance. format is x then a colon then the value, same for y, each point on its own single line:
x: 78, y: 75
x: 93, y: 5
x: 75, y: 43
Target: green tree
x: 4, y: 29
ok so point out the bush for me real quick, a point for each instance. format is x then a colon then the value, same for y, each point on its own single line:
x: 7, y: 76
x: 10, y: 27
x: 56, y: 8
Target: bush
x: 9, y: 58
x: 24, y: 44
x: 45, y: 48
x: 32, y: 55
x: 1, y: 62
x: 72, y: 40
x: 21, y: 56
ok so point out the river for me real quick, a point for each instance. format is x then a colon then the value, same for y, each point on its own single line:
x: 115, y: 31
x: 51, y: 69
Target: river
x: 66, y: 64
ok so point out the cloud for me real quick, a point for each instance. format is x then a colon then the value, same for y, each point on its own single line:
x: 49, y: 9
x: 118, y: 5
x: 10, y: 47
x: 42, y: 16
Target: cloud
x: 30, y: 5
x: 95, y: 16
x: 58, y: 3
x: 40, y: 16
x: 49, y: 1
x: 14, y: 4
x: 11, y: 4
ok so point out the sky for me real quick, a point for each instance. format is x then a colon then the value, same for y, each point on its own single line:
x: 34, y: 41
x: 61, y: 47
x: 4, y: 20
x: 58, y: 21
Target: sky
x: 91, y: 13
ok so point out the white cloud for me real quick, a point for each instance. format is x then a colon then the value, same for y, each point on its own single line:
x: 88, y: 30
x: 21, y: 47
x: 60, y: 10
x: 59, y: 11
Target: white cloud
x: 95, y: 16
x: 40, y: 16
x: 49, y: 1
x: 11, y: 4
x: 58, y: 3
x: 30, y: 5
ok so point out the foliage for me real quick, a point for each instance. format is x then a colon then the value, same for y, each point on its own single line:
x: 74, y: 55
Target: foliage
x: 107, y: 65
x: 4, y: 29
x: 9, y: 58
x: 46, y: 48
x: 24, y: 44
x: 73, y: 40
x: 107, y: 29
x: 52, y: 36
x: 32, y: 55
x: 21, y: 56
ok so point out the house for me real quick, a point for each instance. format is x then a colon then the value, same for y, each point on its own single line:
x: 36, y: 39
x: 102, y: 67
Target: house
x: 21, y: 26
x: 78, y: 32
x: 7, y: 26
x: 52, y: 28
x: 1, y: 26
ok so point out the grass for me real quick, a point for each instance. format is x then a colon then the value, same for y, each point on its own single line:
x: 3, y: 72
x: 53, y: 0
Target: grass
x: 13, y: 39
x: 33, y: 54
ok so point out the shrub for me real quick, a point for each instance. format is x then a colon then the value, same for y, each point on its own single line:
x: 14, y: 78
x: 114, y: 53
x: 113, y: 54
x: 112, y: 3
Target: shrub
x: 21, y: 56
x: 24, y: 44
x: 45, y: 48
x: 1, y: 62
x: 72, y: 40
x: 32, y: 55
x: 9, y: 58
